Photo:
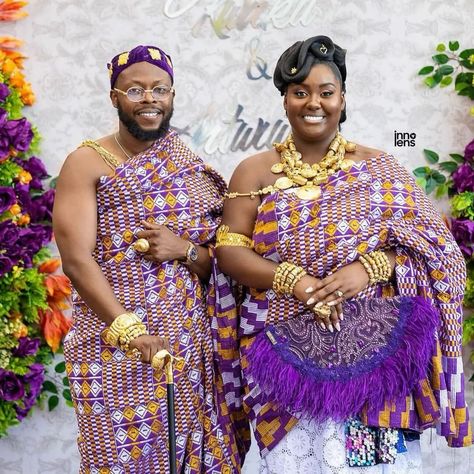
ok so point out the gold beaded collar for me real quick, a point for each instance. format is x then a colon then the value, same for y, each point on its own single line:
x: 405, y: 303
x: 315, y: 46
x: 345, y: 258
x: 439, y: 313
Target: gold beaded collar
x: 303, y: 175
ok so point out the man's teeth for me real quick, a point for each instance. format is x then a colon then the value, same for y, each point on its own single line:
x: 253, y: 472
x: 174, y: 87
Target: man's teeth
x: 313, y: 118
x: 149, y: 114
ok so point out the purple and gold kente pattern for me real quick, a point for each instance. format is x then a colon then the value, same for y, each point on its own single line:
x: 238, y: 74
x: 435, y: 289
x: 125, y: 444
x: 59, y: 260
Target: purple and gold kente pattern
x: 375, y: 205
x: 121, y: 403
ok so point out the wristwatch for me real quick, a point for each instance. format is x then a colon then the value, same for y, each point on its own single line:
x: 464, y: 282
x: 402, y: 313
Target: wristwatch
x: 191, y: 254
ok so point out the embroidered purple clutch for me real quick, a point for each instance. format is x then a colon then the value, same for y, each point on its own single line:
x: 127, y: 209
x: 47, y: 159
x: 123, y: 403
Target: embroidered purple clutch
x: 382, y: 351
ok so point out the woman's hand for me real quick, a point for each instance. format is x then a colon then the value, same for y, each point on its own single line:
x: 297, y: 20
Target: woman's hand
x: 164, y: 244
x: 345, y: 283
x: 303, y: 292
x: 149, y: 346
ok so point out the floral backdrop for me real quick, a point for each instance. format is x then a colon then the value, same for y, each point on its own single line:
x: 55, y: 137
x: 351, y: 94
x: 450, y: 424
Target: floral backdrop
x: 32, y: 297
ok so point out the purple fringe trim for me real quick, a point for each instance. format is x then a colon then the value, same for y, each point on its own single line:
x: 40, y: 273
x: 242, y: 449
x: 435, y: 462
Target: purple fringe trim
x: 300, y: 390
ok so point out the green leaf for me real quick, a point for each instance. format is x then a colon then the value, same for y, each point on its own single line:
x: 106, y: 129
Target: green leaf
x: 467, y: 63
x: 425, y: 70
x: 446, y: 81
x: 421, y: 182
x: 65, y: 381
x: 430, y: 185
x: 446, y: 69
x: 431, y: 156
x: 67, y: 395
x: 440, y: 58
x: 53, y: 401
x: 448, y: 166
x: 441, y: 47
x: 421, y: 172
x: 438, y: 177
x: 441, y: 191
x: 430, y: 82
x: 60, y: 368
x: 453, y: 45
x: 460, y: 86
x: 49, y: 386
x: 456, y: 157
x: 466, y: 53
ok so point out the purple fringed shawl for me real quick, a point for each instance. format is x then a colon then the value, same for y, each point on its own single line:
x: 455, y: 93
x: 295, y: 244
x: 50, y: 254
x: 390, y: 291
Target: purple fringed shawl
x: 382, y: 351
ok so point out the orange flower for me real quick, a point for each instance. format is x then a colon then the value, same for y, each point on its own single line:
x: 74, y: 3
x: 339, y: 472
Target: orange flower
x: 54, y: 326
x: 24, y: 177
x: 22, y: 331
x: 24, y: 219
x: 14, y: 210
x: 53, y: 322
x: 10, y: 10
x: 58, y: 288
x: 10, y: 42
x: 50, y: 266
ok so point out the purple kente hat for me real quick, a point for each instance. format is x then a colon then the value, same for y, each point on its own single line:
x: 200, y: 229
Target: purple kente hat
x: 149, y: 54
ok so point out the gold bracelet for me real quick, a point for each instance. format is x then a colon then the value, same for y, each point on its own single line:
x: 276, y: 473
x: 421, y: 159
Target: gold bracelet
x: 120, y: 325
x: 377, y: 265
x: 224, y: 238
x: 287, y: 275
x: 132, y: 333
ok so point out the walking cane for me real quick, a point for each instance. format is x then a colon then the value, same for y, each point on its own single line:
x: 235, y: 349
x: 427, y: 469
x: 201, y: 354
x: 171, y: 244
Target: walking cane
x: 161, y: 358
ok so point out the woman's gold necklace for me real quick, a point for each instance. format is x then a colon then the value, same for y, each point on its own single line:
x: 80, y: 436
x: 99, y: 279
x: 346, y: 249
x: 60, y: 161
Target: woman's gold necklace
x: 310, y: 177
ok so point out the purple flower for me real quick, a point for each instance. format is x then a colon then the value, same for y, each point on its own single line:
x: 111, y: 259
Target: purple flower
x: 37, y: 170
x: 4, y: 139
x: 41, y: 207
x: 469, y: 152
x: 27, y: 346
x: 463, y: 178
x: 8, y: 234
x: 11, y: 387
x: 20, y: 133
x: 463, y: 232
x: 4, y: 92
x: 34, y: 378
x: 6, y: 264
x: 7, y: 198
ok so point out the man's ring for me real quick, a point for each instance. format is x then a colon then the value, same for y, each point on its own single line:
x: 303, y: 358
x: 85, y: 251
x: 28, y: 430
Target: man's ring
x: 339, y: 294
x: 141, y: 245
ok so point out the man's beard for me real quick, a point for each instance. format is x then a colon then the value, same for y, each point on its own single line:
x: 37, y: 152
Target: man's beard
x: 145, y: 135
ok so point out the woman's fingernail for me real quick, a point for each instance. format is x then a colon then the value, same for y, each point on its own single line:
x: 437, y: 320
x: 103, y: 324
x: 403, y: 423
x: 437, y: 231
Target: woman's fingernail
x: 311, y: 301
x: 341, y: 317
x: 322, y: 325
x: 331, y: 329
x: 337, y: 326
x: 309, y: 290
x: 332, y: 303
x: 318, y: 305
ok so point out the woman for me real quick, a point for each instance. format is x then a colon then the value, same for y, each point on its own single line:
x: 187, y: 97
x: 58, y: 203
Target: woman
x: 134, y: 215
x: 313, y: 223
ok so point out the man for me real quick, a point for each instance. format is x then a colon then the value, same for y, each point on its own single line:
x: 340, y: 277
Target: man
x: 133, y: 215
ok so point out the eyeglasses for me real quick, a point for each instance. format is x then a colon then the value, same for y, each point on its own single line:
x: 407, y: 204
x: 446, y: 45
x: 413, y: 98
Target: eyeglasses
x: 137, y: 94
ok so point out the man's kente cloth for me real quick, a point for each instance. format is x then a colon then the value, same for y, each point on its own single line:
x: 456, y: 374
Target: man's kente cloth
x: 121, y: 403
x: 374, y: 205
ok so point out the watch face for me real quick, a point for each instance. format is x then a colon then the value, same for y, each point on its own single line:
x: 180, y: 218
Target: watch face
x: 193, y: 254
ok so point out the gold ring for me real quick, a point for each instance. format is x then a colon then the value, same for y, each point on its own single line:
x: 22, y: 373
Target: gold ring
x: 159, y: 359
x: 323, y: 311
x: 141, y: 245
x: 339, y: 293
x: 134, y: 354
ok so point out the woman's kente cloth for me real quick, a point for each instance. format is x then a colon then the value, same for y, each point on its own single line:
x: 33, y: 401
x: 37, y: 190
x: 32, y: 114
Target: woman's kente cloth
x: 121, y: 403
x: 374, y: 205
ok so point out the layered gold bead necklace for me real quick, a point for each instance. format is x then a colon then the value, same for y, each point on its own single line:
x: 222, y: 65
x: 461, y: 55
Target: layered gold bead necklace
x: 310, y: 177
